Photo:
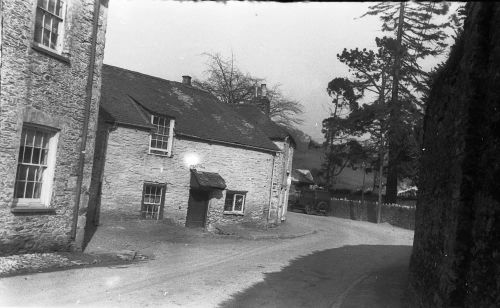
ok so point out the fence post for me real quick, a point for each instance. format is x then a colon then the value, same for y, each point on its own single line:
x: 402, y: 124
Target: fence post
x: 351, y: 210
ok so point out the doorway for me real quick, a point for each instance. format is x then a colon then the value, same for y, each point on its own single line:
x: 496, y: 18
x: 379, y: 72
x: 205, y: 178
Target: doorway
x: 197, y: 208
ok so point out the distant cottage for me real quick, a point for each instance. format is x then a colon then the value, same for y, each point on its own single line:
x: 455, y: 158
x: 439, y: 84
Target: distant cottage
x: 51, y: 56
x: 168, y: 150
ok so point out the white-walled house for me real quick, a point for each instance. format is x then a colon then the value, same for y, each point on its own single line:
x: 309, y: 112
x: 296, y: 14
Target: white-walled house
x: 168, y: 150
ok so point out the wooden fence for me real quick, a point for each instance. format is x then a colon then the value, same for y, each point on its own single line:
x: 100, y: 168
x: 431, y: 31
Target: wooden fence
x: 398, y: 215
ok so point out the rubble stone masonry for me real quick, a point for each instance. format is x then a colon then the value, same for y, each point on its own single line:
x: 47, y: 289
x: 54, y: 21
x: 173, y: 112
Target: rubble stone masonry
x: 128, y: 165
x: 46, y: 89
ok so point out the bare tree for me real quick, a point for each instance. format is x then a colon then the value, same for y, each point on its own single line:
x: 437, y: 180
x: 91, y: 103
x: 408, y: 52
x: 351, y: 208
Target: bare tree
x: 284, y: 111
x: 233, y: 86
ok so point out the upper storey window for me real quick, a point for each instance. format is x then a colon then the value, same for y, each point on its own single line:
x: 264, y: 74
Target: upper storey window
x: 162, y: 135
x: 49, y: 24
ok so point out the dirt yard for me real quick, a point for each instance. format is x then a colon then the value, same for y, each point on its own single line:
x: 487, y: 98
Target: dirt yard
x: 344, y: 264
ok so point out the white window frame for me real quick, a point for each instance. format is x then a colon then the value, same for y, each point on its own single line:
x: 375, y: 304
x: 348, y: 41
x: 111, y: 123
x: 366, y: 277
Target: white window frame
x: 170, y: 136
x: 48, y: 176
x: 235, y: 193
x: 60, y: 30
x: 145, y: 213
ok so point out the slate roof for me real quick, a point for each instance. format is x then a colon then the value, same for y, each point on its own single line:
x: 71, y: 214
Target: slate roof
x: 129, y: 96
x: 302, y: 176
x: 257, y: 117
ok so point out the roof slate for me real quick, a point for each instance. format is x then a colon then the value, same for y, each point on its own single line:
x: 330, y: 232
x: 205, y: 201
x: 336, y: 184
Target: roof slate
x: 257, y: 117
x: 197, y: 113
x: 302, y: 176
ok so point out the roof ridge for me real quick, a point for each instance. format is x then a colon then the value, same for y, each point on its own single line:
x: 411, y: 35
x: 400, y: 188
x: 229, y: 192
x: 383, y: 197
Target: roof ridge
x: 158, y: 78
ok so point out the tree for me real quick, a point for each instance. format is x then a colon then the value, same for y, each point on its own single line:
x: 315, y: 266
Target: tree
x: 371, y: 75
x: 231, y: 85
x: 335, y: 128
x: 416, y: 36
x: 283, y: 110
x: 372, y: 79
x: 341, y: 155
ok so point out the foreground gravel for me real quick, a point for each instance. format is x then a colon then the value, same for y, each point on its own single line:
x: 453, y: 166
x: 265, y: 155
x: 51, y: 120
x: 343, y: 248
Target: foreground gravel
x: 323, y: 269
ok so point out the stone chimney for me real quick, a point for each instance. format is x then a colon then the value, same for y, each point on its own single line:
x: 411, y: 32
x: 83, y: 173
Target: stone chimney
x: 257, y: 91
x: 265, y: 105
x: 263, y: 90
x: 261, y: 100
x: 186, y: 80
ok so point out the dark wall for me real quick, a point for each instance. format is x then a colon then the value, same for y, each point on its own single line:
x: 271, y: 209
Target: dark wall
x: 394, y: 214
x: 456, y: 254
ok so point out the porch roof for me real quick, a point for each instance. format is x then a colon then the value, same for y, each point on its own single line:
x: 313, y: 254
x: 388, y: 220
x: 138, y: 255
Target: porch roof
x: 201, y: 179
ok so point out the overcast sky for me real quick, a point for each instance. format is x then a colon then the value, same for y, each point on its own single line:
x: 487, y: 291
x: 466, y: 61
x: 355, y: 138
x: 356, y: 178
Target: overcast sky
x: 293, y: 44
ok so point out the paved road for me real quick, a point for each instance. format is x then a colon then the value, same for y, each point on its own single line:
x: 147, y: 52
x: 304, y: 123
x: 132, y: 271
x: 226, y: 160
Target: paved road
x: 345, y: 264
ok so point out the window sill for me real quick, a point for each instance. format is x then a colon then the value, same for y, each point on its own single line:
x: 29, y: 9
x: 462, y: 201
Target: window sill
x: 234, y: 213
x: 33, y: 210
x: 161, y: 155
x: 49, y: 52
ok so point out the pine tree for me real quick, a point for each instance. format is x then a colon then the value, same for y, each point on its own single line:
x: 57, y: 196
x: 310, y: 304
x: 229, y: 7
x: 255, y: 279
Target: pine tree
x: 334, y: 128
x: 417, y: 35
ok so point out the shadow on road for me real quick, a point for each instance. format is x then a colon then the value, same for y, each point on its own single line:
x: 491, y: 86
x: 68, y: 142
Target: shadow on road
x: 349, y: 276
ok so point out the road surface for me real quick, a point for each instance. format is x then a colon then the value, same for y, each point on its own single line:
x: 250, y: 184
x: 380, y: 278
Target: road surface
x: 345, y: 264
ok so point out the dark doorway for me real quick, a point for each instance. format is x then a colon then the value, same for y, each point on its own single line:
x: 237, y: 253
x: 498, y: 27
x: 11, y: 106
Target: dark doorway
x: 197, y: 208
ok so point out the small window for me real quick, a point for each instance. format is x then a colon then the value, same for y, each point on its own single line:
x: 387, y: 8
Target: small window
x: 235, y: 202
x: 152, y: 201
x: 49, y: 23
x: 161, y: 137
x: 35, y: 166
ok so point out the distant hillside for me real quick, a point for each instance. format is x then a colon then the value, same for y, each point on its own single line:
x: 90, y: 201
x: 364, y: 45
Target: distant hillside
x: 310, y: 154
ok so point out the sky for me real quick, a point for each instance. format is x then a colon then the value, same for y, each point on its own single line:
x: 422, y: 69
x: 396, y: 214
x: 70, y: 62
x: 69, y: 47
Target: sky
x: 291, y: 44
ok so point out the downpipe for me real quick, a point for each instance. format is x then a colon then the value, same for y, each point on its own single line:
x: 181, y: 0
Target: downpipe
x: 270, y: 192
x: 88, y: 103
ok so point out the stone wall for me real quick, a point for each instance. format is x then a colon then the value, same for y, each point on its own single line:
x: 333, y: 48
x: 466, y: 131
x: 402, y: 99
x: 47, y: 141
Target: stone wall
x: 456, y: 252
x: 46, y: 89
x: 128, y: 165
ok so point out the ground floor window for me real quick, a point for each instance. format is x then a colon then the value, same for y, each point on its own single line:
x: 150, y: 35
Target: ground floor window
x: 35, y: 167
x: 235, y: 202
x: 153, y: 199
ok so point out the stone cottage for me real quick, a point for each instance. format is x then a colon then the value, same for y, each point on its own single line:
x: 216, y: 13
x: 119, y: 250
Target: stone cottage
x: 257, y: 113
x: 50, y: 76
x: 168, y: 150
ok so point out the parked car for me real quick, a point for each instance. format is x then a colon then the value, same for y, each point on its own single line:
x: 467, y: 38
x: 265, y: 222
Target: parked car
x: 312, y: 201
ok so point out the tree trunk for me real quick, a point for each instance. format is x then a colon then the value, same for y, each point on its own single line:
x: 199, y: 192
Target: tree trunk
x: 391, y: 189
x: 381, y: 151
x: 381, y: 167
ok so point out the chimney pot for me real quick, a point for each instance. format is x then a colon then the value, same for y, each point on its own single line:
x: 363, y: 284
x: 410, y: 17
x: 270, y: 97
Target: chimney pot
x: 186, y: 80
